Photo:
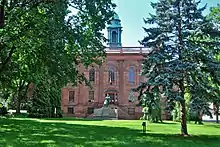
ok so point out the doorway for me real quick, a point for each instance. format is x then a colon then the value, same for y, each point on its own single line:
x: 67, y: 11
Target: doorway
x: 113, y: 97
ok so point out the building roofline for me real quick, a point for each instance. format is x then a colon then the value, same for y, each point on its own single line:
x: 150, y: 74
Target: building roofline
x: 124, y: 47
x: 128, y: 50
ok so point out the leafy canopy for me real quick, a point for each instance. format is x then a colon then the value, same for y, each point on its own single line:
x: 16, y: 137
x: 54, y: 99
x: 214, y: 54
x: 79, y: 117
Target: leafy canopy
x: 42, y: 43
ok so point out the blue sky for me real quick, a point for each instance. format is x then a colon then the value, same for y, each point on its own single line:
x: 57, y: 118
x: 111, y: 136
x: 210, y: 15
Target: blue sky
x: 132, y: 12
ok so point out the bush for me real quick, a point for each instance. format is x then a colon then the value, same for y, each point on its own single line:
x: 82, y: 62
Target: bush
x: 21, y: 115
x: 3, y: 111
x: 9, y: 115
x: 37, y: 115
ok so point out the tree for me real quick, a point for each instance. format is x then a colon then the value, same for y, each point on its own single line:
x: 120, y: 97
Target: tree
x: 31, y: 45
x: 150, y: 102
x: 214, y: 16
x: 43, y: 47
x: 178, y: 60
x: 199, y: 104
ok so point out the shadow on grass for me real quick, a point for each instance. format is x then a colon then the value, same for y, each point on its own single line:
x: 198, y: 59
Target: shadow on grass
x: 166, y: 122
x: 21, y: 133
x: 90, y: 119
x: 72, y: 119
x: 217, y: 126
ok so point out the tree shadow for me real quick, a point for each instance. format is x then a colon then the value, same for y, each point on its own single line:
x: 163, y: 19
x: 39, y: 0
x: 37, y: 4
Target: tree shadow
x: 23, y: 133
x: 72, y: 119
x: 166, y: 122
x: 217, y: 126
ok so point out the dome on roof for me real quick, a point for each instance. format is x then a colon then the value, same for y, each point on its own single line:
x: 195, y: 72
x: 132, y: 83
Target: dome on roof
x: 116, y: 22
x: 116, y: 16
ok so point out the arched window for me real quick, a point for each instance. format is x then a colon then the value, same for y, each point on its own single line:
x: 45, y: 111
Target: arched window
x: 92, y: 75
x: 111, y: 75
x: 114, y: 36
x: 131, y: 75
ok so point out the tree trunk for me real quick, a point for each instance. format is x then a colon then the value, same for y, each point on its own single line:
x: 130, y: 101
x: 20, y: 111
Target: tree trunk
x: 181, y: 86
x: 178, y: 113
x: 183, y: 118
x: 217, y: 113
x: 2, y: 14
x: 184, y: 131
x: 18, y: 105
x: 20, y: 96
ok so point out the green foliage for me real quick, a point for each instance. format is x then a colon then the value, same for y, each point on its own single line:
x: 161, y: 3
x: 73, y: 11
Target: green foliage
x: 145, y: 111
x: 150, y: 103
x: 3, y: 111
x: 45, y: 100
x: 199, y: 107
x: 179, y: 60
x: 42, y: 43
x: 214, y: 16
x: 176, y: 112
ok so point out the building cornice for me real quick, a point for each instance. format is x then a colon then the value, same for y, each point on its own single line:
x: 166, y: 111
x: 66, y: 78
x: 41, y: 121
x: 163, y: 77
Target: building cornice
x: 127, y: 50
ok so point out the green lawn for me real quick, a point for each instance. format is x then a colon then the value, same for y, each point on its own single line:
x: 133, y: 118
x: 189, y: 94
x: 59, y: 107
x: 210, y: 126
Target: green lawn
x: 117, y: 133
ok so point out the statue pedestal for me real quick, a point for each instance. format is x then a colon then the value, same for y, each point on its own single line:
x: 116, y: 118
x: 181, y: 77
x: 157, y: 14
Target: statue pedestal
x: 104, y: 113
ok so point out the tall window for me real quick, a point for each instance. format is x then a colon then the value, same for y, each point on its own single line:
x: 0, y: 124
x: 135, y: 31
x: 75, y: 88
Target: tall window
x: 111, y: 75
x: 92, y: 75
x: 131, y: 75
x: 91, y: 96
x: 71, y: 96
x: 114, y: 36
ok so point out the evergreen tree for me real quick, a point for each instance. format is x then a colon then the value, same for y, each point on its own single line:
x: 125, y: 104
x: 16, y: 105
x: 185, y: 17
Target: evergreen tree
x: 214, y: 16
x: 178, y: 59
x: 150, y: 103
x: 198, y: 107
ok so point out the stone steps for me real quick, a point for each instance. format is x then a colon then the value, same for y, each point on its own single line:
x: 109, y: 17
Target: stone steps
x: 113, y: 112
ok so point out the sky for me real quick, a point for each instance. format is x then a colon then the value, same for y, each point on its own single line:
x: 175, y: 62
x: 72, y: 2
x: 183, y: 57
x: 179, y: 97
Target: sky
x: 132, y: 12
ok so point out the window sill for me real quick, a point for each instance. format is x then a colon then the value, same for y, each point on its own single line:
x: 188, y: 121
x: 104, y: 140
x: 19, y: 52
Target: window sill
x: 131, y: 82
x: 71, y: 102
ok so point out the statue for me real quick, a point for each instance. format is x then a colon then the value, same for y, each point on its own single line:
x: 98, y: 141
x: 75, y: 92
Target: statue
x: 105, y: 112
x: 107, y: 100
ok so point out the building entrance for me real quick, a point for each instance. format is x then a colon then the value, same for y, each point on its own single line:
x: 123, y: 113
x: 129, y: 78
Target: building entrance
x: 113, y: 96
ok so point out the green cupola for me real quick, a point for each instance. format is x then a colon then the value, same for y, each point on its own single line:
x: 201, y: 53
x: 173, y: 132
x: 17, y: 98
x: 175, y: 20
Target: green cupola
x: 114, y: 32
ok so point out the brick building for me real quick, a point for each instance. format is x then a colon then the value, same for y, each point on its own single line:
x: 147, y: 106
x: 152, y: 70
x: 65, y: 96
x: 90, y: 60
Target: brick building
x: 117, y: 75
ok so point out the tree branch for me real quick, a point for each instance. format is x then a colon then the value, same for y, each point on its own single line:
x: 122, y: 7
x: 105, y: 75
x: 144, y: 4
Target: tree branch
x: 7, y: 59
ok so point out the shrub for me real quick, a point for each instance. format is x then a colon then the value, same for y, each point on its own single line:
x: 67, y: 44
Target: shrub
x: 3, y: 111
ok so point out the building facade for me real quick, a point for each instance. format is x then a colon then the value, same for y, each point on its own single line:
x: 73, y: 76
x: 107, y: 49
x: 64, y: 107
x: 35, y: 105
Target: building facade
x: 117, y: 75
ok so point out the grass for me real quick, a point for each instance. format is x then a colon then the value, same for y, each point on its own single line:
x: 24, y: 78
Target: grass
x: 22, y: 132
